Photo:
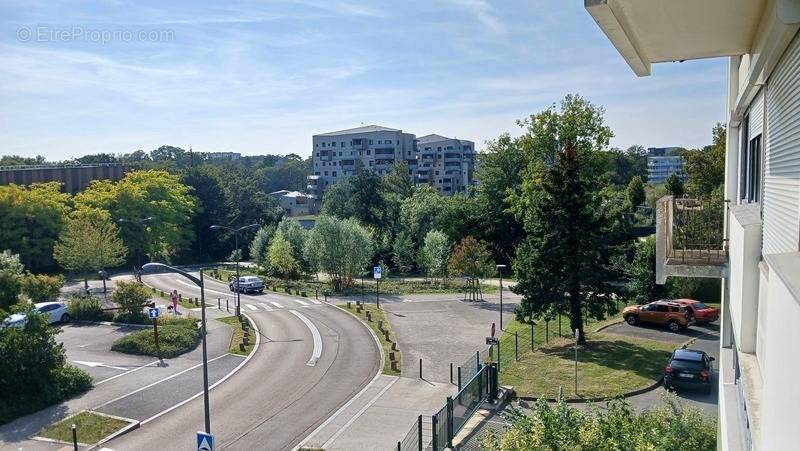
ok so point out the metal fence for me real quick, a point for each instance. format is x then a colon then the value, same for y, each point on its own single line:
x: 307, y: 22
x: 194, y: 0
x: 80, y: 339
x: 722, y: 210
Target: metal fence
x: 469, y: 399
x: 439, y: 426
x: 413, y: 440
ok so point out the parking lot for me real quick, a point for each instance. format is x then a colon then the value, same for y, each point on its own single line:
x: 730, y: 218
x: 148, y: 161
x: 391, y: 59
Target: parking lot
x: 88, y: 347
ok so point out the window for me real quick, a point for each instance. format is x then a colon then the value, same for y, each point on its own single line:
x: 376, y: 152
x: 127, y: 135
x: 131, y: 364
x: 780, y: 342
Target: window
x: 379, y: 142
x: 340, y: 154
x: 662, y: 308
x: 368, y: 151
x: 333, y: 144
x: 334, y: 173
x: 370, y: 162
x: 316, y: 173
x: 342, y: 143
x: 323, y: 144
x: 370, y: 141
x: 753, y: 175
x: 326, y: 173
x: 388, y: 141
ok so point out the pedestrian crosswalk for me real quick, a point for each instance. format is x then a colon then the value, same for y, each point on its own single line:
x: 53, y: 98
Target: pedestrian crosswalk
x: 272, y: 306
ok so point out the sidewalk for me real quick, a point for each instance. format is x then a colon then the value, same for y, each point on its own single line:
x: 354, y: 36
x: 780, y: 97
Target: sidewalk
x: 381, y: 415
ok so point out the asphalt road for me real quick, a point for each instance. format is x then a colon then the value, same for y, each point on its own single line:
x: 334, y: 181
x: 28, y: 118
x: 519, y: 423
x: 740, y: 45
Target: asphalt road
x: 311, y: 360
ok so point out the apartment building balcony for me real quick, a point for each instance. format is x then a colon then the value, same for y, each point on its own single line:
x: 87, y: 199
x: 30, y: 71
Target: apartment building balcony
x: 689, y: 239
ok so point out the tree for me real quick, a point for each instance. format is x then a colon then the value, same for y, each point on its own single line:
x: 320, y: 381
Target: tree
x: 472, y: 258
x: 341, y: 248
x: 41, y: 287
x: 635, y: 192
x: 706, y: 168
x: 32, y: 217
x: 435, y: 253
x: 403, y: 252
x: 295, y: 235
x: 359, y: 197
x: 641, y: 274
x: 398, y: 180
x: 259, y: 247
x: 142, y: 194
x: 280, y: 256
x: 89, y: 242
x: 10, y: 279
x: 564, y: 262
x: 674, y: 185
x: 131, y: 297
x: 211, y: 209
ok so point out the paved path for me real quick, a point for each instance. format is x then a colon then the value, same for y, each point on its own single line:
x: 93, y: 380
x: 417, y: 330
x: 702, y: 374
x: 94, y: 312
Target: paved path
x: 312, y: 359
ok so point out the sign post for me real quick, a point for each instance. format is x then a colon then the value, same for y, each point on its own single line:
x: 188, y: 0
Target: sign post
x: 205, y: 441
x: 376, y: 274
x: 153, y: 313
x: 577, y: 334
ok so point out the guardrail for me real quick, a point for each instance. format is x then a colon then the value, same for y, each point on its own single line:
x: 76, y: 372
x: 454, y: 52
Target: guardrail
x: 694, y: 231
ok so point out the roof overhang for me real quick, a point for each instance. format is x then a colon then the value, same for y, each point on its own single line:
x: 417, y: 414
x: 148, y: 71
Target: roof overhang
x: 652, y: 31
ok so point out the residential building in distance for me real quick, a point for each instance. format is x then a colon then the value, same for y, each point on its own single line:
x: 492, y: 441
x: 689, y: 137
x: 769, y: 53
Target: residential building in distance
x: 445, y: 163
x: 663, y: 162
x: 295, y: 203
x: 74, y: 178
x: 224, y: 155
x: 756, y: 248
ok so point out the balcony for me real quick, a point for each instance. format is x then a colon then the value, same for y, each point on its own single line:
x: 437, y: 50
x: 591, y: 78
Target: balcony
x: 689, y: 239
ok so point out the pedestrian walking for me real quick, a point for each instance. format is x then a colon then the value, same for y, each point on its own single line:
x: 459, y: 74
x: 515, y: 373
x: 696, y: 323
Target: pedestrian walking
x: 175, y: 301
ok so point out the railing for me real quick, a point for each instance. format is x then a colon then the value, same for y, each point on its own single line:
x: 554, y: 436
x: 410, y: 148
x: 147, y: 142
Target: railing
x: 694, y: 231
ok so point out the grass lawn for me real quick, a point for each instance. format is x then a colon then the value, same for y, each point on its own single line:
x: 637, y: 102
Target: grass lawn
x: 91, y: 428
x: 378, y: 315
x: 608, y: 365
x: 238, y: 333
x: 176, y: 336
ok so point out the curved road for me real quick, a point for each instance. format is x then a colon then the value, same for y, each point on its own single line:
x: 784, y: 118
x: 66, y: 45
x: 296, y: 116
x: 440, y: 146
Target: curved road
x: 312, y: 359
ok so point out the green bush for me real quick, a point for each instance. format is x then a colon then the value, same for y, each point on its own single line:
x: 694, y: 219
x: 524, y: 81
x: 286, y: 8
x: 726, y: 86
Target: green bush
x: 87, y: 309
x: 10, y: 279
x: 41, y: 287
x: 176, y: 336
x: 131, y: 297
x: 669, y: 426
x: 33, y: 370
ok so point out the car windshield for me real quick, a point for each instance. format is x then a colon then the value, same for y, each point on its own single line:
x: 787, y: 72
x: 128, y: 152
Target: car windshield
x: 700, y: 306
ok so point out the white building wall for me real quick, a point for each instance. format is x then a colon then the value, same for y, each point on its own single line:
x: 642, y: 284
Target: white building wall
x: 744, y: 254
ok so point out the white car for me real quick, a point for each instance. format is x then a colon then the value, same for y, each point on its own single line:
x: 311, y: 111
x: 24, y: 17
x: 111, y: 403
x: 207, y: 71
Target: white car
x: 54, y: 312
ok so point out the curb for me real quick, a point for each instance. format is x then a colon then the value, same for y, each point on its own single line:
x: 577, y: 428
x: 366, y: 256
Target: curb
x: 638, y: 391
x: 132, y: 424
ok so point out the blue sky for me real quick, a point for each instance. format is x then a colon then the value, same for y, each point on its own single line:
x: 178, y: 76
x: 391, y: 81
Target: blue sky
x: 262, y: 77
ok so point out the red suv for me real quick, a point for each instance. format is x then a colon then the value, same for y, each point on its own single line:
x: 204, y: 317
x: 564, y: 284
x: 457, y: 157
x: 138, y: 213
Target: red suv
x: 702, y: 313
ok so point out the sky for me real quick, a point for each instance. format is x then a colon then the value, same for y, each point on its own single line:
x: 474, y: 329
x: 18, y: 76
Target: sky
x: 261, y: 77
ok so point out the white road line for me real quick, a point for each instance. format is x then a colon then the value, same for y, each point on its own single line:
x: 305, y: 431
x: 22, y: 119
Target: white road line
x: 265, y: 307
x: 317, y: 352
x: 207, y: 290
x: 314, y: 301
x: 300, y: 302
x: 276, y: 305
x: 127, y: 372
x: 251, y: 306
x: 358, y: 414
x: 96, y: 364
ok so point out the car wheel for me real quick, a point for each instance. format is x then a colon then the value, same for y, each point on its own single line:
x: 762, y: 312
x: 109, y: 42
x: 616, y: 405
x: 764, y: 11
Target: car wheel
x: 65, y: 318
x: 674, y: 326
x: 632, y: 320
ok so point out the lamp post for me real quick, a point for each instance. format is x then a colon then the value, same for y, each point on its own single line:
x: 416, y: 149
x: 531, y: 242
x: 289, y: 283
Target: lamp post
x: 200, y: 283
x: 500, y: 269
x: 236, y: 241
x: 140, y: 222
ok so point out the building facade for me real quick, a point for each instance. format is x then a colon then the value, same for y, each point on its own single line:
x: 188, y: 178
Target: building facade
x: 659, y: 168
x: 295, y: 203
x: 73, y: 178
x: 758, y: 258
x: 445, y: 163
x: 448, y: 164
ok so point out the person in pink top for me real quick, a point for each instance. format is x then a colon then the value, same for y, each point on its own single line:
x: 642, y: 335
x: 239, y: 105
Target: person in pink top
x: 175, y: 301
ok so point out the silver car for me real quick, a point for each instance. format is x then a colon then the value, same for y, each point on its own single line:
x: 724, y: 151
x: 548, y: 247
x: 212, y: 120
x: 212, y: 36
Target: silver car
x: 247, y: 284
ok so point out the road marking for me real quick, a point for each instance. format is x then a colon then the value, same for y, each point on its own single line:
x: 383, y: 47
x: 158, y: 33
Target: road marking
x: 158, y: 382
x: 207, y: 290
x: 127, y: 372
x: 317, y: 352
x: 96, y: 364
x: 358, y: 414
x: 300, y: 302
x: 315, y: 301
x: 251, y: 306
x: 276, y: 304
x: 265, y: 306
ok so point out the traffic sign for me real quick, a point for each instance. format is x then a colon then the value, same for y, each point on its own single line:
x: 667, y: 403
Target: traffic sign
x: 153, y: 312
x: 376, y: 272
x: 492, y: 340
x: 205, y: 442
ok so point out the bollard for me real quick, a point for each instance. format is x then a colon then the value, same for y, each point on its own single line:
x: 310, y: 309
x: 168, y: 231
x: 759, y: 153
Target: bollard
x: 154, y: 289
x: 459, y: 379
x: 348, y: 305
x: 547, y: 332
x: 391, y: 356
x: 241, y: 347
x: 369, y: 316
x: 227, y: 308
x: 380, y: 326
x: 304, y: 294
x: 246, y: 341
x: 478, y: 360
x: 393, y: 364
x: 386, y: 336
x: 420, y: 368
x: 74, y: 437
x: 246, y: 334
x: 219, y: 304
x: 394, y: 346
x: 451, y: 373
x: 516, y: 348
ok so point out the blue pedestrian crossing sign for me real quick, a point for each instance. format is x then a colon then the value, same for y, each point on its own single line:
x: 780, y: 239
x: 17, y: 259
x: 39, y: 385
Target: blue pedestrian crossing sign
x: 153, y: 312
x: 205, y: 441
x: 376, y: 272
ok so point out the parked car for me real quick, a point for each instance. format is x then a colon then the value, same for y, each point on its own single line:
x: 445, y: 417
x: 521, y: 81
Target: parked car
x: 689, y: 368
x: 247, y: 284
x: 54, y: 312
x: 702, y: 313
x: 665, y: 313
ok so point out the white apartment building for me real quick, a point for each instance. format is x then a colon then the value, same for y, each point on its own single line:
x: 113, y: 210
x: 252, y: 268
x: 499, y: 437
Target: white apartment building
x: 335, y: 154
x: 759, y: 259
x: 445, y: 163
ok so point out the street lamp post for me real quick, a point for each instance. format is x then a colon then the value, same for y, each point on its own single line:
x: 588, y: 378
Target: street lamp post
x: 200, y: 283
x: 500, y: 269
x: 140, y: 222
x: 236, y: 243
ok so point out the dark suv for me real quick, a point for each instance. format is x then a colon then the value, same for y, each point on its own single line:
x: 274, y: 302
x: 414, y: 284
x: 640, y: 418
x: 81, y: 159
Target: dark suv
x: 689, y: 368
